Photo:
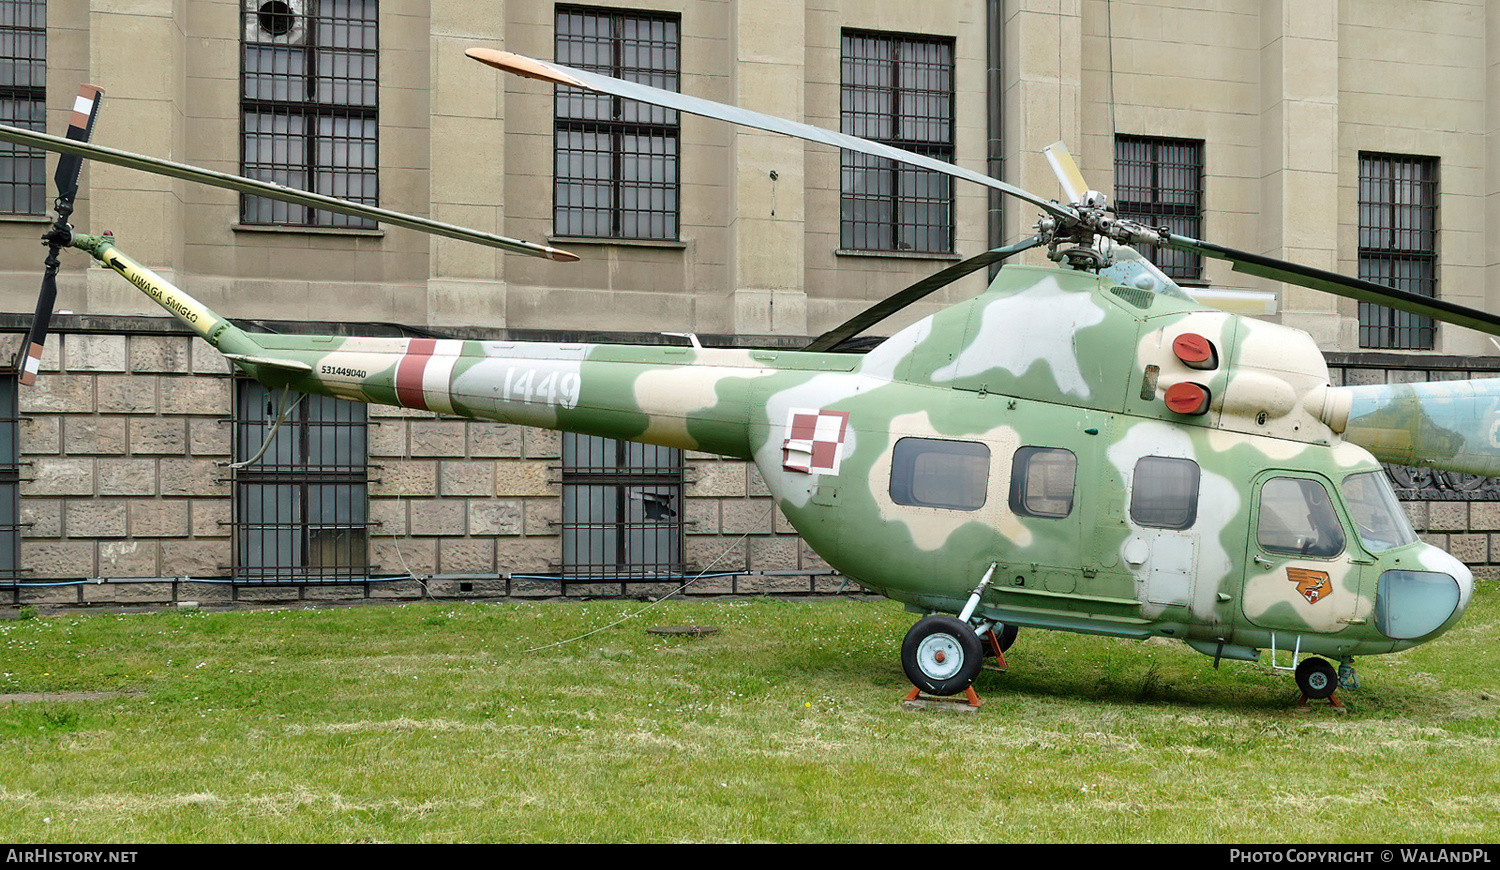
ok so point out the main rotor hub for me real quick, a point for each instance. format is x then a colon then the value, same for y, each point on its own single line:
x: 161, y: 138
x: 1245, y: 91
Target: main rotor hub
x: 1075, y: 241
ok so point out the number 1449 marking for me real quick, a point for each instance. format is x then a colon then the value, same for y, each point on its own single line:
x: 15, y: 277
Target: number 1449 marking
x: 528, y: 384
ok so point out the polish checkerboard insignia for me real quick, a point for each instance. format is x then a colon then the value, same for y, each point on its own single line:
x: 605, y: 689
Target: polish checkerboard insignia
x: 1312, y: 585
x: 815, y: 440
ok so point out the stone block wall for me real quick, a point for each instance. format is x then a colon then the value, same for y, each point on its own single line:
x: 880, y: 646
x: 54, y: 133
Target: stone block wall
x: 124, y: 448
x: 461, y: 497
x: 125, y: 445
x: 733, y: 524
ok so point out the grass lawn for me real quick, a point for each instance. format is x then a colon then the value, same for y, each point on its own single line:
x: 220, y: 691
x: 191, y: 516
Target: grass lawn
x: 485, y: 722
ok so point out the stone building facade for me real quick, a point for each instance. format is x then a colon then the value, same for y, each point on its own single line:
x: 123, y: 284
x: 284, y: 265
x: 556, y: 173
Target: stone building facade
x: 123, y: 449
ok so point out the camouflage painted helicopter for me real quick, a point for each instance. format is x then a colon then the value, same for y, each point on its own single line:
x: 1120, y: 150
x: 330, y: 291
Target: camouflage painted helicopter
x: 1082, y: 447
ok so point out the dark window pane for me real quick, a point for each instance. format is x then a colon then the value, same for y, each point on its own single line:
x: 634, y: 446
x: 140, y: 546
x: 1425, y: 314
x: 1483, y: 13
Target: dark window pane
x: 1159, y: 182
x: 615, y: 172
x: 23, y: 103
x: 930, y: 472
x: 1397, y: 245
x: 1164, y: 493
x: 10, y: 478
x: 622, y: 509
x: 300, y: 509
x: 898, y: 91
x: 310, y: 87
x: 1042, y: 481
x: 1297, y: 519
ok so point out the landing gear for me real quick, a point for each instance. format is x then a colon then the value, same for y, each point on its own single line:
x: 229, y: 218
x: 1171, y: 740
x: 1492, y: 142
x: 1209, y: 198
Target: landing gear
x: 1005, y: 636
x: 941, y: 655
x: 1317, y: 679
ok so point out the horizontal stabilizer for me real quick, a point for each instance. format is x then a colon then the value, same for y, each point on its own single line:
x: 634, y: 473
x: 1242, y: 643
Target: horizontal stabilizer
x: 286, y: 365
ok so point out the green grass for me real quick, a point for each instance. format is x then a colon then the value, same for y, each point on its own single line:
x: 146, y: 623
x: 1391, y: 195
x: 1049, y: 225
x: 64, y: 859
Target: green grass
x: 464, y: 722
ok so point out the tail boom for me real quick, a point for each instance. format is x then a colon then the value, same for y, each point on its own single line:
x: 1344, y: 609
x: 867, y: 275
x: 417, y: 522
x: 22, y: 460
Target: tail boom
x: 1448, y: 425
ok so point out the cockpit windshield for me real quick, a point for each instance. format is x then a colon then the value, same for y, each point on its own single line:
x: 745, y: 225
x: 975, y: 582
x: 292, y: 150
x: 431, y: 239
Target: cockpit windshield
x: 1378, y: 517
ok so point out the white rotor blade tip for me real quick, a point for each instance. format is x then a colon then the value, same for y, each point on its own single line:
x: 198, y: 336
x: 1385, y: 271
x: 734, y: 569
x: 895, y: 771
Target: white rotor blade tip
x: 1073, y: 185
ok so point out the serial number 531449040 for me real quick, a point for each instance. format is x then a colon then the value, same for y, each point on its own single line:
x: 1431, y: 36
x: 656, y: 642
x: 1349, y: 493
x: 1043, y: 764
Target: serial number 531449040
x: 340, y: 370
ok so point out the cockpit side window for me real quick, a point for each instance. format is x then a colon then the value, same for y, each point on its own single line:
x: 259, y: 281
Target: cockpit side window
x: 1378, y: 517
x: 1297, y: 519
x: 1164, y: 492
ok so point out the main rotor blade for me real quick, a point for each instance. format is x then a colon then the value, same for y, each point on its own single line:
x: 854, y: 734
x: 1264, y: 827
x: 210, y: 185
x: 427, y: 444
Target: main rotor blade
x: 1067, y: 172
x: 891, y: 304
x: 573, y: 77
x: 269, y: 190
x: 1339, y: 285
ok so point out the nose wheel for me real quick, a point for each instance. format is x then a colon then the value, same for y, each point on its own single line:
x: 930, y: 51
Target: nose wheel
x: 1318, y: 681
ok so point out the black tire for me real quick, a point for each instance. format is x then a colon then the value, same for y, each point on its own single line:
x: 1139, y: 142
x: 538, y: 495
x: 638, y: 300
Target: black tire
x: 941, y: 655
x: 1317, y: 679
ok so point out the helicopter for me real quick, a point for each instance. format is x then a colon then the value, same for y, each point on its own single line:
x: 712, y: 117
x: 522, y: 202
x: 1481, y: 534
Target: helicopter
x: 1081, y: 447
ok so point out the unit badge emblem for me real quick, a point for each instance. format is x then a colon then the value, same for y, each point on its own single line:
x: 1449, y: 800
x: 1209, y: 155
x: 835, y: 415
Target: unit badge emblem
x: 1312, y: 585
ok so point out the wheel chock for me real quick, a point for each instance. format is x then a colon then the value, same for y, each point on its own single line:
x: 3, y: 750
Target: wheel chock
x: 1334, y: 704
x: 968, y: 703
x: 992, y: 640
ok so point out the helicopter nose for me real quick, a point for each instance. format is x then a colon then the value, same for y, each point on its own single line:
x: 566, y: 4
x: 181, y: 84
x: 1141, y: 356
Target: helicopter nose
x: 1417, y: 604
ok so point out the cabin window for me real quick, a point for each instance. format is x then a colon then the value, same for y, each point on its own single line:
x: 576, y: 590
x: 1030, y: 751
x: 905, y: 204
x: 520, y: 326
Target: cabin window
x: 622, y: 509
x: 301, y: 509
x: 308, y: 100
x: 1297, y: 519
x: 1398, y: 203
x: 616, y: 160
x: 1164, y: 492
x: 1042, y: 480
x: 928, y: 472
x: 23, y: 103
x: 1159, y: 182
x: 897, y: 90
x: 1378, y: 516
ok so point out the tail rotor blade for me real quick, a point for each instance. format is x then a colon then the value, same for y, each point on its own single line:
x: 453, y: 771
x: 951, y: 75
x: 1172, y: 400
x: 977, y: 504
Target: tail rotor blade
x: 30, y: 356
x: 69, y: 168
x: 80, y: 129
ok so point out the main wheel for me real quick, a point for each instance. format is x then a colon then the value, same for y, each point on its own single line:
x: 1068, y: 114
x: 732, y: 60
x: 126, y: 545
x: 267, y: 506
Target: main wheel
x: 1007, y: 636
x: 941, y: 655
x: 1317, y: 679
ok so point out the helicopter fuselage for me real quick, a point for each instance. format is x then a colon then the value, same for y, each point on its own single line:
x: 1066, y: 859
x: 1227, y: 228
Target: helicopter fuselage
x: 1110, y: 461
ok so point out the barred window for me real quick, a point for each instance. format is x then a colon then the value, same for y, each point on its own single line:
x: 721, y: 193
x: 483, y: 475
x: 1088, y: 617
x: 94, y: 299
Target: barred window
x: 23, y: 103
x: 1397, y: 245
x: 616, y: 160
x: 309, y: 106
x: 897, y: 90
x: 622, y: 509
x: 10, y: 478
x: 1159, y: 182
x: 301, y: 510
